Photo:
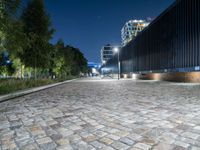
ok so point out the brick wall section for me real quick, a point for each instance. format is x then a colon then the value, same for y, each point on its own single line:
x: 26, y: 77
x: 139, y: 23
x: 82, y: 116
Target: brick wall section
x: 193, y: 77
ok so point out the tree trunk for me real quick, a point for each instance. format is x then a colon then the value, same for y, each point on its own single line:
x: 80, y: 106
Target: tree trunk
x: 35, y: 71
x: 21, y: 71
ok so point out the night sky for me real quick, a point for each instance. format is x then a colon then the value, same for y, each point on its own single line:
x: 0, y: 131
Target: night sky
x: 90, y: 24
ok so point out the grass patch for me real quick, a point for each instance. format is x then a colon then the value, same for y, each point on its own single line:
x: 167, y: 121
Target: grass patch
x: 13, y: 85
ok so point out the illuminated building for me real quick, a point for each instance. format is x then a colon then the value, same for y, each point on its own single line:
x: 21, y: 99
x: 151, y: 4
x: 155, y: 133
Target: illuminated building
x: 107, y: 52
x: 170, y: 43
x: 131, y: 30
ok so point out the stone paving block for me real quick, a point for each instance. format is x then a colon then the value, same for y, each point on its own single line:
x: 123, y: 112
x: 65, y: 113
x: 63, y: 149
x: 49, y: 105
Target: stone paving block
x: 119, y: 145
x: 134, y: 148
x: 127, y: 141
x: 106, y: 141
x: 65, y: 147
x: 4, y: 125
x: 21, y: 134
x: 12, y: 117
x: 44, y: 140
x: 107, y: 148
x: 188, y: 141
x: 149, y: 141
x: 65, y: 132
x: 195, y: 148
x: 24, y: 142
x: 8, y: 144
x: 27, y: 121
x: 168, y: 137
x: 191, y: 135
x: 7, y: 134
x: 163, y: 146
x: 121, y: 133
x: 99, y: 126
x: 81, y: 145
x: 182, y: 144
x: 197, y: 128
x: 32, y: 146
x: 99, y: 133
x: 97, y: 144
x: 37, y: 131
x: 134, y: 137
x: 89, y: 138
x: 110, y: 130
x: 113, y: 137
x: 46, y: 143
x: 62, y: 141
x: 142, y: 146
x: 74, y: 138
x: 179, y: 148
x: 89, y: 114
x: 75, y: 127
x: 15, y: 124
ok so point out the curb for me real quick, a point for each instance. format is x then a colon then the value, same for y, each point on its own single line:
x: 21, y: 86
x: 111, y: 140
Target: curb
x: 29, y: 91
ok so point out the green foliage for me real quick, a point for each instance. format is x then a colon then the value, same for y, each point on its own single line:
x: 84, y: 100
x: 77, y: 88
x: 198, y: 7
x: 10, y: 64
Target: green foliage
x: 68, y: 60
x: 9, y: 24
x: 26, y: 37
x: 37, y: 27
x: 12, y: 85
x: 7, y: 70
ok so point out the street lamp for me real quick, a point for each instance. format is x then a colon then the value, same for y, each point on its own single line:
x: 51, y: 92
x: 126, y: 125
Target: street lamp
x: 116, y: 50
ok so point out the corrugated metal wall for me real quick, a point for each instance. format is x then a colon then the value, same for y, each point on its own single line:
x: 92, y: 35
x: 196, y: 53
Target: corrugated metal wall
x: 171, y: 43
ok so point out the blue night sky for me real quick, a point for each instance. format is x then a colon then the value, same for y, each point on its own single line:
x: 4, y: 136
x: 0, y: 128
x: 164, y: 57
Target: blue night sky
x: 90, y: 24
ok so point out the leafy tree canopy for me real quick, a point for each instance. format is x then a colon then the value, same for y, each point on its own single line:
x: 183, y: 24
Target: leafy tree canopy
x: 37, y: 27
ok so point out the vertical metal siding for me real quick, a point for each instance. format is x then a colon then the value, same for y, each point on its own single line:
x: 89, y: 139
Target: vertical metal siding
x: 171, y: 42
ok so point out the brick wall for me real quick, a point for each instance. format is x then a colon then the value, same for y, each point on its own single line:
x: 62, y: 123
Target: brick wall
x: 193, y: 77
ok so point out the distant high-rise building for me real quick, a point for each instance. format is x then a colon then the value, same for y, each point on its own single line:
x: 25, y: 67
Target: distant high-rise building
x: 131, y: 30
x: 107, y: 52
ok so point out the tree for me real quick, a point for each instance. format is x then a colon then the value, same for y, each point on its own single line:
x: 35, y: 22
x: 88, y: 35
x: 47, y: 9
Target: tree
x: 77, y: 60
x: 68, y: 60
x: 9, y: 25
x: 12, y: 38
x: 59, y: 67
x: 37, y: 27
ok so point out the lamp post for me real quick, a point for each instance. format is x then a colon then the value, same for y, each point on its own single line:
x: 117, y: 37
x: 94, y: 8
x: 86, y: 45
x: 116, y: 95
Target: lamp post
x: 116, y: 50
x: 104, y: 63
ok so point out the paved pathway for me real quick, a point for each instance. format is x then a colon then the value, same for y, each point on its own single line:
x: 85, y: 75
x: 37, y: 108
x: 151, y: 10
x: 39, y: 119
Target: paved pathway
x: 104, y: 114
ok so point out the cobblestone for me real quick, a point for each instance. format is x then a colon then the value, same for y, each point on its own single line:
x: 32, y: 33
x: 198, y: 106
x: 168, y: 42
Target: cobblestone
x: 90, y: 114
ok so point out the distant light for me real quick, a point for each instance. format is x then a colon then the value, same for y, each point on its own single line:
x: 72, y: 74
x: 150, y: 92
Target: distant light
x: 125, y: 76
x: 116, y: 49
x: 134, y: 76
x: 197, y: 68
x: 157, y: 76
x: 104, y: 61
x: 94, y: 70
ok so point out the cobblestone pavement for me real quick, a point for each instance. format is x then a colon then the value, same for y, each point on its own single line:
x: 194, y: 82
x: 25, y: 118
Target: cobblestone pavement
x: 104, y: 114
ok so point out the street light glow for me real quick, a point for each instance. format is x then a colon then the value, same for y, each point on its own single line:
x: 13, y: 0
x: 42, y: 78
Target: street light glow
x: 116, y: 49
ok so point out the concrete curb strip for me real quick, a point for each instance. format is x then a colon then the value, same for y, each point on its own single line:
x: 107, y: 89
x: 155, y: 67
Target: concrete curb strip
x: 29, y: 91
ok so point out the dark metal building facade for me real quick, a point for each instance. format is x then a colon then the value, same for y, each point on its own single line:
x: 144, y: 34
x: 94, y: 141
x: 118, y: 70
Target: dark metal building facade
x: 171, y: 43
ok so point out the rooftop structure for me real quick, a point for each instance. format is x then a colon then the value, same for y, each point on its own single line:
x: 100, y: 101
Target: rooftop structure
x: 131, y: 30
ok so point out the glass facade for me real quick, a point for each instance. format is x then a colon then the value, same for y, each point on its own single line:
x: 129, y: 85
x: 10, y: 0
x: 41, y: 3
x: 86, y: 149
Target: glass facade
x: 131, y: 30
x: 107, y: 52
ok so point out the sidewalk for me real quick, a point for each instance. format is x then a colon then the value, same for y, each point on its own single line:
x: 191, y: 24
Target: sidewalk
x: 31, y: 90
